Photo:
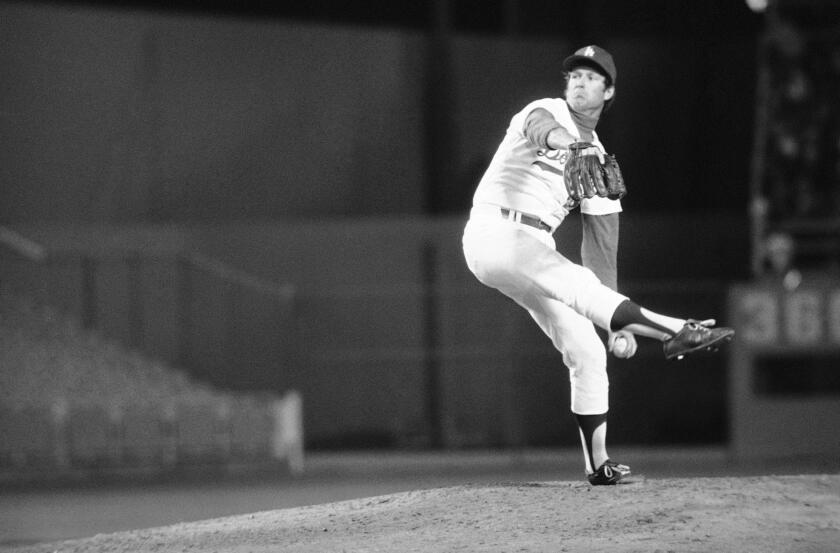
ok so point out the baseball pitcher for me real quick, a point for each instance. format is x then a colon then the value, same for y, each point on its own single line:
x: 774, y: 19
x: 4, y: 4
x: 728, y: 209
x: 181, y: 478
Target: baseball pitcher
x: 549, y: 163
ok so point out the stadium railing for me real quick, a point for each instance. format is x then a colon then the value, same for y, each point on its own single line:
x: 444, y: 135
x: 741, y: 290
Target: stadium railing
x: 77, y: 400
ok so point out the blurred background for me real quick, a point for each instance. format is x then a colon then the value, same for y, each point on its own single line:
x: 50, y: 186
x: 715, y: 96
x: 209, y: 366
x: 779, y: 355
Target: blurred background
x: 230, y: 234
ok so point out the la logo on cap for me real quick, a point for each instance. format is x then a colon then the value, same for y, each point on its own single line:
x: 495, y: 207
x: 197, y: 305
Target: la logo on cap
x: 589, y: 51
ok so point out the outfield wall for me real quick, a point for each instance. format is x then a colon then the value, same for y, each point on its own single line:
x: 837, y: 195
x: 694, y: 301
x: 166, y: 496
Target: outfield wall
x: 379, y: 325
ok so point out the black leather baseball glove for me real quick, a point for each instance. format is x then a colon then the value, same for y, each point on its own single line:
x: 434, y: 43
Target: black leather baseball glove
x: 586, y: 176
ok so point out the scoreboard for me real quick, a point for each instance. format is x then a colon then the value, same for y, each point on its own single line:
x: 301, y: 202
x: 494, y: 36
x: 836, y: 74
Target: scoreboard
x: 773, y: 318
x: 784, y: 370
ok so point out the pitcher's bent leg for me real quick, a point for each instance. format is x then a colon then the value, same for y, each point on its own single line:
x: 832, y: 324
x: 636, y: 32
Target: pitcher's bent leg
x: 582, y: 349
x: 505, y: 257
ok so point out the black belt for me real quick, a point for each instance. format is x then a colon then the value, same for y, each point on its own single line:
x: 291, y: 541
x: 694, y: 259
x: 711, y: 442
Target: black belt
x: 526, y: 219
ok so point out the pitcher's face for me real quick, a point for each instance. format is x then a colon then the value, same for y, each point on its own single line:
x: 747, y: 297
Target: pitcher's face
x: 587, y: 90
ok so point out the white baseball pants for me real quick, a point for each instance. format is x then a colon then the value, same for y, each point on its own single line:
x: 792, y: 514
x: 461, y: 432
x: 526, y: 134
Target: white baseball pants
x: 564, y: 298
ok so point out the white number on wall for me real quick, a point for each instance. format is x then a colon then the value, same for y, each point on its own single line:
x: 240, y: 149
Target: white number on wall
x: 759, y: 317
x: 804, y: 323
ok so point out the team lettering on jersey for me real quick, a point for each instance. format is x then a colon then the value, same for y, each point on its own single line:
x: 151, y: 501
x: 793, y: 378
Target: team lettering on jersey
x: 551, y: 160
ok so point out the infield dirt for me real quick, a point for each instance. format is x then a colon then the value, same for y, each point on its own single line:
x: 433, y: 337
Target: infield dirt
x: 746, y: 514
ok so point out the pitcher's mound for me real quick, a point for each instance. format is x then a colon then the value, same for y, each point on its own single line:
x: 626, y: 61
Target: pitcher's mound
x: 757, y: 514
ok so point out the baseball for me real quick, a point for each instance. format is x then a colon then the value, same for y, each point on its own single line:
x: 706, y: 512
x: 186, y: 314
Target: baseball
x: 621, y: 347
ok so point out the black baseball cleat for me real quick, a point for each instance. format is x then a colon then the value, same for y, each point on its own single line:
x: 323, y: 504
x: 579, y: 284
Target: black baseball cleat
x: 696, y: 336
x: 608, y: 474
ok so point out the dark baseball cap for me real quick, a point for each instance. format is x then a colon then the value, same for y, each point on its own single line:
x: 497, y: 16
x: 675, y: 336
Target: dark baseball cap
x: 594, y: 56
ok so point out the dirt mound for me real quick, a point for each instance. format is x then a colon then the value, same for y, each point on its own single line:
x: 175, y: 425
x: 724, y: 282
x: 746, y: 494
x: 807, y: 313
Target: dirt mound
x: 757, y: 514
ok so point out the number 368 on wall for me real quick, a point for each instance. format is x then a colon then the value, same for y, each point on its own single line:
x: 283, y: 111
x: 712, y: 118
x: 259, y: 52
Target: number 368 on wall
x: 774, y: 317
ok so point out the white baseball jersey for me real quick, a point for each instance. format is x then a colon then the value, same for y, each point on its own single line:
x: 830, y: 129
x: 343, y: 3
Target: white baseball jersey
x: 527, y: 178
x: 522, y: 262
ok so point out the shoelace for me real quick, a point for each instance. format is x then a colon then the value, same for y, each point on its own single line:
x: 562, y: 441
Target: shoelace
x: 695, y: 324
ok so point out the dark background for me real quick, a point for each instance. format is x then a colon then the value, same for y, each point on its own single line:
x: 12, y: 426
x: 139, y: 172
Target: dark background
x: 575, y: 18
x: 173, y: 111
x: 334, y: 147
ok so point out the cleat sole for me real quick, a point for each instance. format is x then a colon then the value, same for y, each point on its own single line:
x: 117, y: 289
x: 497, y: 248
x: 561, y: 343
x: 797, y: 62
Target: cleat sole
x: 710, y: 347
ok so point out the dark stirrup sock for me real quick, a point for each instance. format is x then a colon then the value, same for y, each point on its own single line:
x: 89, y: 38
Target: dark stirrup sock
x: 592, y: 448
x: 628, y: 313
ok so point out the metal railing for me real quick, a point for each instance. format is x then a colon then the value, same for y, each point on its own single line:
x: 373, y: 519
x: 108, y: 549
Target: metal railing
x: 185, y: 308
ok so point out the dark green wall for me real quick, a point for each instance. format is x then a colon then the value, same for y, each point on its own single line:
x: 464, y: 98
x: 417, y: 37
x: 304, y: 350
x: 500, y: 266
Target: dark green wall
x: 132, y: 116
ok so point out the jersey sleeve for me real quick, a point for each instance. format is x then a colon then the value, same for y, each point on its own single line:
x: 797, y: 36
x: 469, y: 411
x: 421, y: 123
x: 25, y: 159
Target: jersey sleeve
x: 538, y: 124
x: 517, y: 123
x: 599, y: 247
x: 600, y: 206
